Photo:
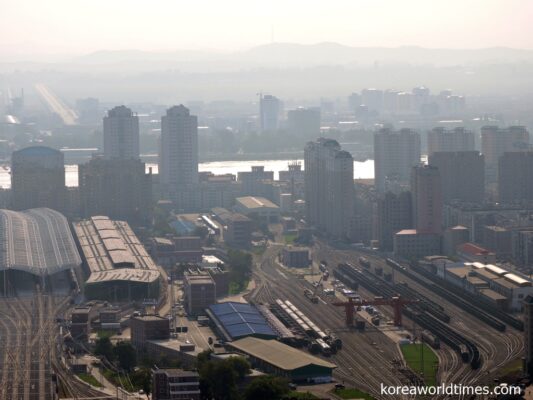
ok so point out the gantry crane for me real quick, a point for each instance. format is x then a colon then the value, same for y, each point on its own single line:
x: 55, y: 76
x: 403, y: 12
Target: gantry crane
x: 396, y: 302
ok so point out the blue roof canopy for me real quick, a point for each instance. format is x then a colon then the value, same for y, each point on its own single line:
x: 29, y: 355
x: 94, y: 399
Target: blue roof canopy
x: 240, y: 320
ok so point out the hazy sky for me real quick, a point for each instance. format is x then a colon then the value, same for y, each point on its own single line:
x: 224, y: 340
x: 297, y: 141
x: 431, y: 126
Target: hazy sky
x: 76, y: 26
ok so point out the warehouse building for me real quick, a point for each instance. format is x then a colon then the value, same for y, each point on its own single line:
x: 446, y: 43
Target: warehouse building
x: 116, y: 263
x: 504, y: 288
x: 257, y: 207
x: 234, y: 321
x: 273, y: 357
x: 295, y: 257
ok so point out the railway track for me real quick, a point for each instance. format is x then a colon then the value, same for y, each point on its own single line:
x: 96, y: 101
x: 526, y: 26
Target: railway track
x: 496, y: 348
x: 365, y: 360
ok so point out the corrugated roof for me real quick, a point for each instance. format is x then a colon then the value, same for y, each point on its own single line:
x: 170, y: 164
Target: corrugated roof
x: 241, y: 319
x: 278, y: 354
x: 37, y: 241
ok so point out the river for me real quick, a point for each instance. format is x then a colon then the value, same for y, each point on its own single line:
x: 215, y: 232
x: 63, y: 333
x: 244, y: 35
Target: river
x: 362, y: 170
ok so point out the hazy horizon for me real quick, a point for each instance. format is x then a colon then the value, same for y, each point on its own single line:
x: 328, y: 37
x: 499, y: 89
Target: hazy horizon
x: 61, y: 28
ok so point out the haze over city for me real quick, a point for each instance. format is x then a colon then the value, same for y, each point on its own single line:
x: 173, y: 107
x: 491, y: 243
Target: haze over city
x: 251, y: 200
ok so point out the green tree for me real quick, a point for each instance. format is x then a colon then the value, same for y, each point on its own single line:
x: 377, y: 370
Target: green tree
x: 104, y: 348
x: 240, y: 264
x: 240, y: 365
x: 126, y: 356
x: 142, y: 378
x: 267, y: 388
x: 218, y: 381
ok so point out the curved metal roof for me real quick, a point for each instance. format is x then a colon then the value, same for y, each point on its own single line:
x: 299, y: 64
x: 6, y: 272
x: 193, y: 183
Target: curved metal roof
x: 37, y: 241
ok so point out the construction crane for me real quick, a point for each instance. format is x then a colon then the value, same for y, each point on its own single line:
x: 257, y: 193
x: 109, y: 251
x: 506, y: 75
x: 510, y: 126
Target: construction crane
x: 311, y: 295
x: 396, y: 302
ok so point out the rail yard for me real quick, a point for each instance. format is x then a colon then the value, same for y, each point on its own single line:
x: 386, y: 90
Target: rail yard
x: 471, y: 340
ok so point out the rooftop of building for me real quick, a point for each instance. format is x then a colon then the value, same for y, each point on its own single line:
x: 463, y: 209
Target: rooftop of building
x: 113, y: 252
x: 473, y: 249
x: 176, y: 372
x: 149, y: 318
x: 237, y: 320
x: 198, y: 278
x: 37, y: 241
x: 278, y: 354
x: 252, y: 202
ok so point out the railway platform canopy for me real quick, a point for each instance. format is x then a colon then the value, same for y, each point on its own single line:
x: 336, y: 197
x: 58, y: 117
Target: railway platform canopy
x: 277, y: 358
x: 113, y: 252
x: 237, y: 320
x: 37, y: 241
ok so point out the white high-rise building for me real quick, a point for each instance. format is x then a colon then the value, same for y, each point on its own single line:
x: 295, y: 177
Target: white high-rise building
x: 395, y: 153
x: 121, y: 134
x: 178, y: 157
x: 269, y: 111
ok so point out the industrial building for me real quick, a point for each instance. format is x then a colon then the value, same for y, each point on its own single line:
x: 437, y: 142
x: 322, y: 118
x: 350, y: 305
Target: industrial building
x: 276, y: 358
x: 504, y: 288
x: 234, y: 321
x: 175, y: 384
x: 295, y: 257
x: 412, y: 244
x: 148, y: 327
x: 199, y: 291
x: 237, y: 228
x: 257, y: 207
x: 116, y: 263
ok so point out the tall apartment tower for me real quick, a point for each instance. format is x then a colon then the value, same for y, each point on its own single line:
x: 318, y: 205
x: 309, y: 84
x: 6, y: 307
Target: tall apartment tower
x: 269, y: 111
x: 395, y: 154
x: 442, y: 139
x: 515, y: 183
x: 38, y: 178
x: 304, y: 122
x: 121, y: 134
x: 462, y: 174
x: 496, y: 141
x: 178, y: 156
x: 329, y: 188
x: 426, y: 192
x: 393, y: 214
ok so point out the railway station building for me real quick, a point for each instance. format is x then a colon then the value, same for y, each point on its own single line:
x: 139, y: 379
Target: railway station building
x: 37, y: 242
x: 115, y: 263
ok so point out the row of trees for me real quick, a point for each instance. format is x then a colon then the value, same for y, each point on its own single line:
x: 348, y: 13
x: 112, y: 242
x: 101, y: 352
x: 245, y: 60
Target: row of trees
x: 224, y: 380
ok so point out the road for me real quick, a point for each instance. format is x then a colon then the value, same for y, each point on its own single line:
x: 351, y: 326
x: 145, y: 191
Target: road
x: 56, y: 105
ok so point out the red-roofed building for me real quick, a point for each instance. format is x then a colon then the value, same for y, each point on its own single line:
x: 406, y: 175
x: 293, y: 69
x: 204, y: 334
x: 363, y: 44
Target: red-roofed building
x: 472, y: 252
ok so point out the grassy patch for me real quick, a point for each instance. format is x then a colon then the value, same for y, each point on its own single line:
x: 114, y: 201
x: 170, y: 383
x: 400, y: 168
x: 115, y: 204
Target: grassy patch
x: 512, y: 367
x: 104, y: 334
x: 237, y: 287
x: 352, y: 393
x: 91, y: 380
x: 301, y: 395
x: 413, y: 357
x: 119, y: 380
x: 289, y: 238
x: 258, y: 250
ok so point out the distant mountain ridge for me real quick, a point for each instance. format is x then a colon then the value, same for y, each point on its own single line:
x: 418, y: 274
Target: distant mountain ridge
x: 326, y: 53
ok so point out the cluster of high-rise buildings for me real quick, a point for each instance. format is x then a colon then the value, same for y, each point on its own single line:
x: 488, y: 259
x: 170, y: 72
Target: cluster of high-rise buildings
x: 420, y: 101
x: 115, y: 182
